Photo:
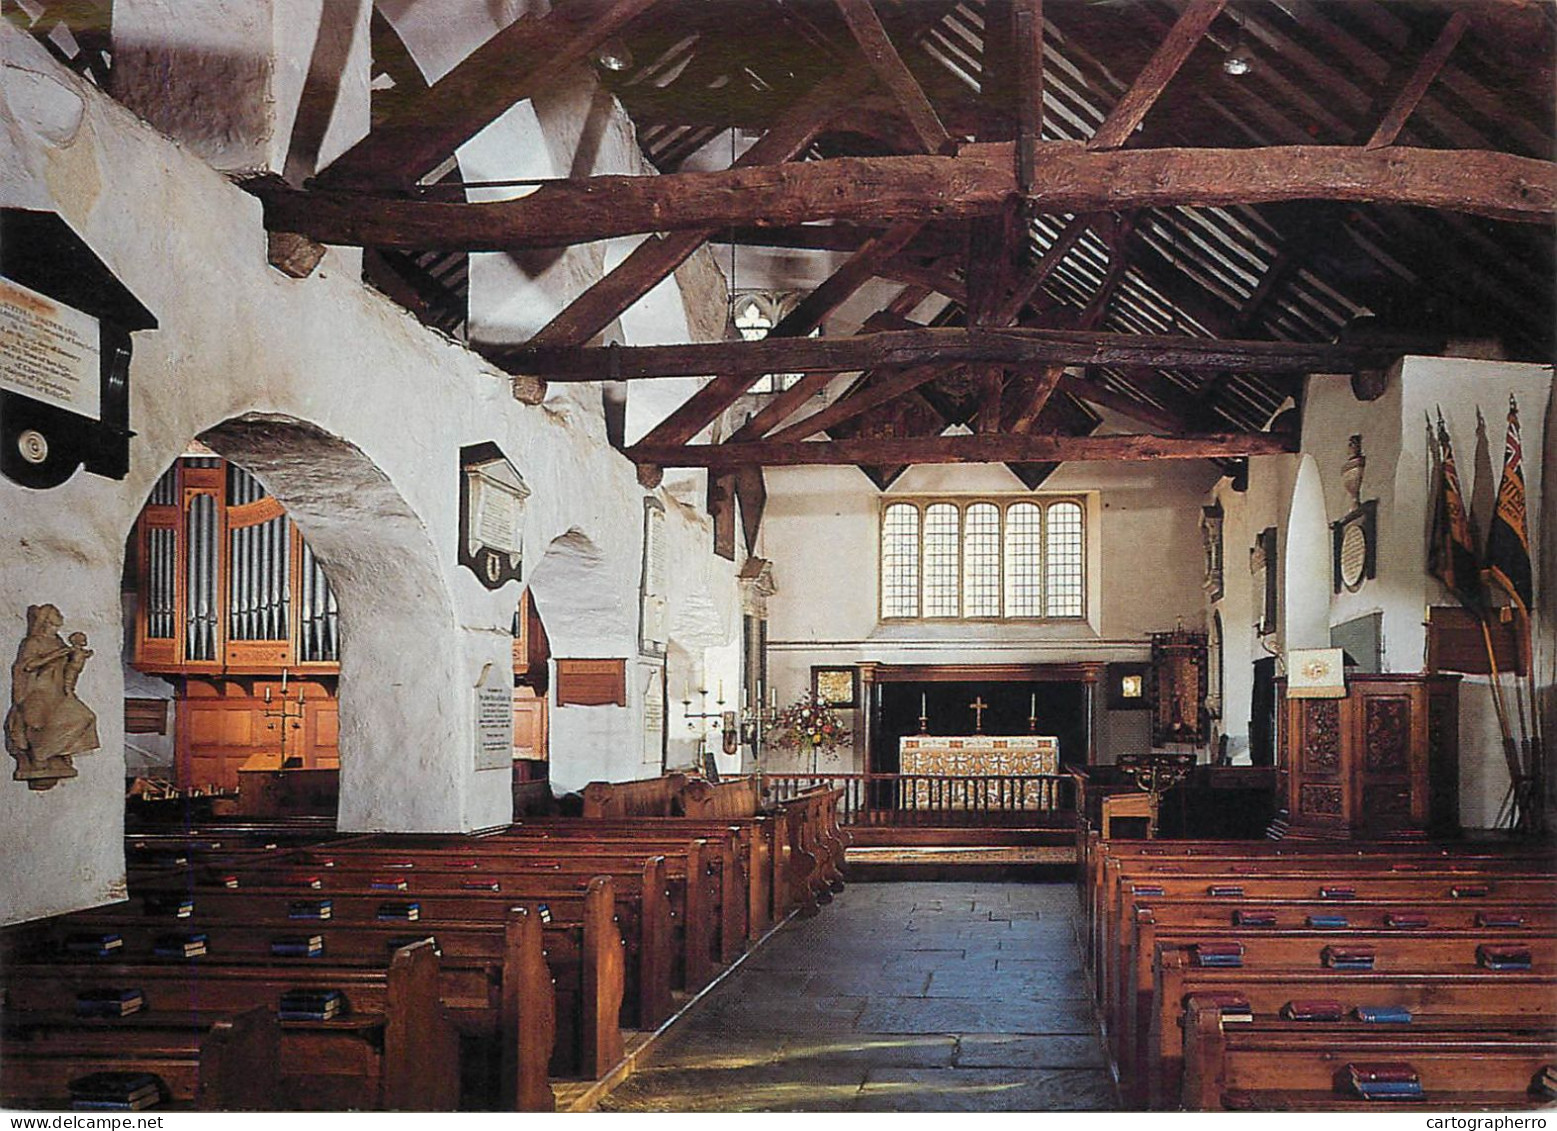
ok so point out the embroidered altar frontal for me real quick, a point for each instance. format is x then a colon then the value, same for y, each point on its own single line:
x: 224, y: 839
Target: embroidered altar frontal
x: 978, y: 755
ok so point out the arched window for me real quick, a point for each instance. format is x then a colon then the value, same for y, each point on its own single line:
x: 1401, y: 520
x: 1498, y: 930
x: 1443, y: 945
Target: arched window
x: 986, y: 559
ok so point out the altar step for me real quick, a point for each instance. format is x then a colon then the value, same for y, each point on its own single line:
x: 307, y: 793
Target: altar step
x: 883, y: 853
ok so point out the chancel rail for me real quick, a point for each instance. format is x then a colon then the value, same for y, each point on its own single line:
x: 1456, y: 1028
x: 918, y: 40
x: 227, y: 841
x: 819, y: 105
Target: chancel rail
x: 938, y: 799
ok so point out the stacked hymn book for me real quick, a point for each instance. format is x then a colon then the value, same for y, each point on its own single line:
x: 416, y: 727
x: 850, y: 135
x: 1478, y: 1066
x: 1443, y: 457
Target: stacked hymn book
x: 191, y: 945
x: 115, y: 1091
x: 109, y: 1002
x: 311, y: 1005
x: 1383, y: 1081
x: 297, y: 946
x: 94, y: 945
x: 1233, y: 1007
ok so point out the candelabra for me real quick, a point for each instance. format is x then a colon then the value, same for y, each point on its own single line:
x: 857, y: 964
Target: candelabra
x: 1156, y: 773
x: 277, y: 718
x: 703, y: 713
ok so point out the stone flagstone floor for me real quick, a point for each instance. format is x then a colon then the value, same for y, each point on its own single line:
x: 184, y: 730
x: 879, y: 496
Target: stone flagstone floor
x: 912, y: 997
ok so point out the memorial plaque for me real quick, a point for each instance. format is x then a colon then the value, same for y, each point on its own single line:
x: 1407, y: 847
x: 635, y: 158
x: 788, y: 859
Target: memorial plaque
x: 492, y: 506
x: 494, y: 719
x: 654, y: 717
x: 652, y: 608
x: 591, y: 683
x: 49, y: 351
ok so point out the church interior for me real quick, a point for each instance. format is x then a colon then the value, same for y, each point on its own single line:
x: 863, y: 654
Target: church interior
x: 778, y: 555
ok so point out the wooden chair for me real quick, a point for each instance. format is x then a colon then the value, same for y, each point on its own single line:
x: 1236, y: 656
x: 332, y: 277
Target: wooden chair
x: 1129, y: 805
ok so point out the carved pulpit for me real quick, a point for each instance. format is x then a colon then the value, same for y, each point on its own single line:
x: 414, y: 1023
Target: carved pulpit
x: 1381, y: 762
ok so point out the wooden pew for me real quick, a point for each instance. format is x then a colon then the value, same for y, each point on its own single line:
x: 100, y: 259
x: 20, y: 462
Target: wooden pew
x: 1459, y: 992
x: 740, y: 849
x: 394, y: 1048
x: 1129, y: 880
x: 642, y: 909
x: 738, y: 797
x: 647, y: 797
x: 1183, y: 921
x: 695, y: 874
x: 816, y: 847
x: 1464, y: 1063
x: 1339, y: 880
x: 1395, y: 951
x: 493, y: 978
x: 660, y: 802
x: 206, y: 1061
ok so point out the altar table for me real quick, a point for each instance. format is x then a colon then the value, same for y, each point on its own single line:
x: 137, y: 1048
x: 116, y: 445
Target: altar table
x: 977, y: 755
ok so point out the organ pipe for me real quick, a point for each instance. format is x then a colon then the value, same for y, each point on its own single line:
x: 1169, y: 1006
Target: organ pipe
x: 233, y: 578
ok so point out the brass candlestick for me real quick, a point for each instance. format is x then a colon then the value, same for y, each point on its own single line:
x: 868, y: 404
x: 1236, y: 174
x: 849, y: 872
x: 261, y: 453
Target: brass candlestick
x: 277, y: 718
x: 1156, y: 773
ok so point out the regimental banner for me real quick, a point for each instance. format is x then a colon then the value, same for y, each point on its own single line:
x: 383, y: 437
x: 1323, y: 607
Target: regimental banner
x: 49, y: 351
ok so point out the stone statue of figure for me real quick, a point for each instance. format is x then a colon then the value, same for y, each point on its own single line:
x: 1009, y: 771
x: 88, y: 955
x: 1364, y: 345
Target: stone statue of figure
x: 47, y: 724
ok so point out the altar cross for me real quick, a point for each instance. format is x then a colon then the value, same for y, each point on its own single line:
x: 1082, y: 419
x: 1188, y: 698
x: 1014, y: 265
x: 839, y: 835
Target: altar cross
x: 979, y: 707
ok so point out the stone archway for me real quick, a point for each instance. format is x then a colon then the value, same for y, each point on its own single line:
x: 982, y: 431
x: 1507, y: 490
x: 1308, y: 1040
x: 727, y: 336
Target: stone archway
x: 402, y: 717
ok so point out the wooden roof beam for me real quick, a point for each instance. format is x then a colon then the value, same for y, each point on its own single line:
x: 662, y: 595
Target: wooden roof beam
x: 651, y: 261
x: 1027, y: 46
x: 978, y: 181
x: 894, y: 74
x: 943, y: 345
x: 1421, y: 78
x: 1171, y: 54
x: 989, y: 447
x: 784, y: 404
x: 524, y: 59
x: 723, y: 391
x: 1084, y: 389
x: 881, y: 386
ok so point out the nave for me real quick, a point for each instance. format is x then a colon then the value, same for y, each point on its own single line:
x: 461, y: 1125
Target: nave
x: 914, y: 996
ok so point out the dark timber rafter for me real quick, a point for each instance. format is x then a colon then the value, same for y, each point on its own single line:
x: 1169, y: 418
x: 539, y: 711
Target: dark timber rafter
x: 783, y: 404
x: 884, y: 59
x: 1163, y: 65
x: 946, y: 346
x: 716, y: 396
x: 522, y: 60
x: 976, y: 182
x: 655, y: 258
x: 1426, y: 71
x: 983, y: 448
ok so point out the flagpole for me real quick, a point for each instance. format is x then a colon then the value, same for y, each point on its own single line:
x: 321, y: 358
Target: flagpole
x: 1532, y: 773
x: 1510, y: 747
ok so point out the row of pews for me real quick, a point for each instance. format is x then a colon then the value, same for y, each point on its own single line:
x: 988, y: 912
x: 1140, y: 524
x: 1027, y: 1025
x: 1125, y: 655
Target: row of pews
x: 261, y: 971
x: 1310, y: 975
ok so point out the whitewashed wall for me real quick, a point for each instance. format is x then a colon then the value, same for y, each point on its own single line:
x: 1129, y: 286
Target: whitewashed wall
x: 1143, y: 569
x: 1399, y: 476
x: 353, y: 414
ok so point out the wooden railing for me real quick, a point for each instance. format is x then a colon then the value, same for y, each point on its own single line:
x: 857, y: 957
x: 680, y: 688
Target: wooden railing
x: 935, y: 799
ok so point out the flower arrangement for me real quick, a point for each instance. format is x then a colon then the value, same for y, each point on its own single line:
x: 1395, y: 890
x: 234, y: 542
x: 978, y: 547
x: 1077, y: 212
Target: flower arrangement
x: 808, y: 725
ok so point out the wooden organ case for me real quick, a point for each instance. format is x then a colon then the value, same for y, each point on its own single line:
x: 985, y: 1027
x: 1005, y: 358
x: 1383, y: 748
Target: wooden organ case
x: 234, y: 610
x: 1381, y: 763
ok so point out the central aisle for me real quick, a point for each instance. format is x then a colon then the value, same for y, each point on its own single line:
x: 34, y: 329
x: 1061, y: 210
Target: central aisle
x: 898, y: 997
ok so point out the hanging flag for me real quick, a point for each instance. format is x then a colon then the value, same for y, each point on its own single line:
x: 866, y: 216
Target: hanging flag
x: 1451, y: 555
x: 1508, y: 536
